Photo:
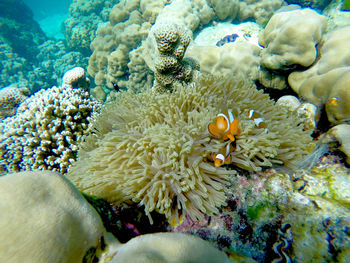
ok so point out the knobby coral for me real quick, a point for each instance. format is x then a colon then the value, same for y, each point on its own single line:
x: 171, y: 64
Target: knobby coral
x: 154, y: 148
x: 46, y: 129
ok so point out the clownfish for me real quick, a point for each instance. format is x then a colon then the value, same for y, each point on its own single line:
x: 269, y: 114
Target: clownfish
x: 333, y: 101
x: 258, y: 120
x: 225, y: 126
x: 223, y: 157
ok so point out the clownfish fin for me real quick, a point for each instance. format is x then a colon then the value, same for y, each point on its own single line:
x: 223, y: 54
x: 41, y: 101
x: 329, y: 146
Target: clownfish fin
x: 213, y: 130
x: 234, y: 127
x: 227, y: 159
x: 230, y: 136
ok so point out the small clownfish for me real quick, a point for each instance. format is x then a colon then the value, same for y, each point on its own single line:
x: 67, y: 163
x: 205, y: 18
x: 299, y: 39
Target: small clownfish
x: 334, y: 101
x: 223, y: 157
x: 225, y: 126
x: 258, y: 120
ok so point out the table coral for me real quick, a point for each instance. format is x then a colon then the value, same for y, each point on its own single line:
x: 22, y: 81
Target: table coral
x: 45, y: 219
x: 46, y: 129
x: 154, y: 149
x: 326, y: 83
x: 290, y: 38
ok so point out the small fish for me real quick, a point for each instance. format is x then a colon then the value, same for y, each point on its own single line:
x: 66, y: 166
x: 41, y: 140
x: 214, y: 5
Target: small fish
x: 223, y: 157
x: 258, y: 120
x: 116, y: 87
x: 333, y: 101
x: 227, y: 39
x: 225, y: 126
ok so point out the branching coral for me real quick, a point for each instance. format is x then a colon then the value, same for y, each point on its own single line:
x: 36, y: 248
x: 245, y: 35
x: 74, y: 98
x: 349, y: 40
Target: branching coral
x: 46, y: 129
x: 154, y: 149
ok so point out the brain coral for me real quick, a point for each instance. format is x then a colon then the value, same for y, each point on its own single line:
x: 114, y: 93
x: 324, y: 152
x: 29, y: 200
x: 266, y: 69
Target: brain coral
x: 46, y: 129
x: 153, y: 149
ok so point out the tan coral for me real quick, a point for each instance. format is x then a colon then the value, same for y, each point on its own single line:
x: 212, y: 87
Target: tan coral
x: 327, y: 82
x: 261, y: 11
x: 341, y: 134
x: 45, y: 219
x: 225, y: 9
x: 167, y: 248
x: 239, y: 59
x: 10, y: 99
x: 75, y: 77
x: 290, y: 38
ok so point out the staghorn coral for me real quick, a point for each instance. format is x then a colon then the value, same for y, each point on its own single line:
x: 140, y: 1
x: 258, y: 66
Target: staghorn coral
x: 45, y: 219
x: 153, y: 149
x: 46, y: 130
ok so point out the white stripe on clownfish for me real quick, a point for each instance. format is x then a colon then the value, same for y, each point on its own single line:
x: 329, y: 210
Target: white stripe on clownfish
x: 228, y: 119
x: 258, y: 120
x: 220, y: 159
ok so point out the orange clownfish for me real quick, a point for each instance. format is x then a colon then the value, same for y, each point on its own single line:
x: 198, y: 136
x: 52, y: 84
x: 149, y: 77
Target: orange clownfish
x: 223, y: 157
x: 225, y: 126
x: 258, y: 120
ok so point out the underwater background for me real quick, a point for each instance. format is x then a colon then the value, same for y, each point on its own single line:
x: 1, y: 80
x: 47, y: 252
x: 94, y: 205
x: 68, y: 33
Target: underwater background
x: 174, y: 131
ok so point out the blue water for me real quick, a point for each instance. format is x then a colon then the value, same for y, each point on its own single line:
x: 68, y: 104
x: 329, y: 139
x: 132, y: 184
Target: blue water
x: 50, y: 15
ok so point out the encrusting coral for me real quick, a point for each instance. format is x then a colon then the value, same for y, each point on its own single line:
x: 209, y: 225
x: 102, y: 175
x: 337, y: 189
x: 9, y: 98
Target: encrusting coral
x: 326, y: 83
x: 45, y: 132
x: 10, y: 98
x: 154, y: 149
x: 291, y: 37
x: 44, y: 218
x: 166, y: 248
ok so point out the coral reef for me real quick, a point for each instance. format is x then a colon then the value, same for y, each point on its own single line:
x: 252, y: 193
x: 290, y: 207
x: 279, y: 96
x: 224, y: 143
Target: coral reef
x: 19, y: 30
x: 314, y: 4
x: 45, y: 132
x: 340, y: 134
x: 258, y: 11
x: 83, y: 21
x: 166, y: 248
x: 129, y: 24
x: 291, y: 37
x: 10, y: 98
x: 154, y: 149
x: 272, y: 216
x: 75, y: 78
x: 326, y: 83
x: 45, y: 219
x: 240, y: 58
x: 169, y: 44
